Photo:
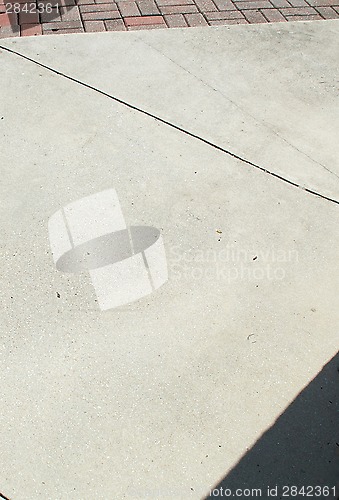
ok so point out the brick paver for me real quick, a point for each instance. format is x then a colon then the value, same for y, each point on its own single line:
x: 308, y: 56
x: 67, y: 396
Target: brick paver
x: 31, y: 18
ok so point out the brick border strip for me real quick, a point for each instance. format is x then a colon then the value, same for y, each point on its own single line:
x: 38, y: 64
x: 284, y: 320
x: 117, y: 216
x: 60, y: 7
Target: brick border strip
x: 79, y: 16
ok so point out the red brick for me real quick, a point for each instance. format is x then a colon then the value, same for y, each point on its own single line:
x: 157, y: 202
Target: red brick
x: 106, y: 7
x: 2, y: 9
x: 195, y: 20
x: 221, y: 22
x: 174, y: 2
x: 298, y: 11
x: 100, y: 16
x: 206, y: 5
x: 8, y: 20
x: 254, y: 16
x: 28, y: 18
x: 148, y: 7
x: 128, y: 9
x: 328, y: 12
x: 115, y: 25
x: 31, y: 29
x: 178, y: 9
x: 94, y: 26
x: 227, y: 14
x: 273, y: 15
x: 176, y: 21
x: 144, y: 20
x: 261, y: 4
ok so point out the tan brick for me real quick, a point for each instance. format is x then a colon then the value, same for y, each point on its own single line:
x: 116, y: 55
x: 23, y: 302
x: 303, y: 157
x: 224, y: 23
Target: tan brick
x: 144, y: 20
x: 310, y: 17
x: 106, y: 7
x: 178, y: 9
x: 176, y: 21
x: 61, y: 26
x: 206, y: 5
x: 327, y: 12
x: 273, y: 15
x: 48, y: 17
x: 128, y: 9
x: 148, y: 7
x: 94, y: 26
x: 196, y: 19
x: 298, y: 3
x: 321, y: 3
x: 100, y: 16
x: 115, y: 25
x: 224, y: 4
x: 254, y: 16
x: 298, y: 11
x: 221, y: 22
x: 9, y: 31
x: 146, y: 27
x: 261, y: 4
x: 174, y: 2
x: 68, y: 14
x: 228, y: 14
x: 65, y: 31
x: 280, y: 3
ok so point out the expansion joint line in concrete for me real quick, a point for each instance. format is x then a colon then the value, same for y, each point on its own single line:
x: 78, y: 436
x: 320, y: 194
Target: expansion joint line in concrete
x: 2, y: 497
x: 172, y: 125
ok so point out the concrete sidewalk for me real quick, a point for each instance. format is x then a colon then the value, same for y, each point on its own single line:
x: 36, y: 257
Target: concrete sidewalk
x: 160, y: 398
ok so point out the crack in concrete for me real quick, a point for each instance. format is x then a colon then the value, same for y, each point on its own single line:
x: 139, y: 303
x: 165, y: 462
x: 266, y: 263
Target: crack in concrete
x: 172, y: 125
x: 242, y: 109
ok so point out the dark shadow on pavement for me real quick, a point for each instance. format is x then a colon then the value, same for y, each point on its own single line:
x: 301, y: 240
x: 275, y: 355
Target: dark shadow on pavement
x: 300, y: 449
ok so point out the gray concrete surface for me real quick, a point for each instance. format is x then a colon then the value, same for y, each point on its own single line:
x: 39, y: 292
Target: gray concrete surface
x: 162, y: 397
